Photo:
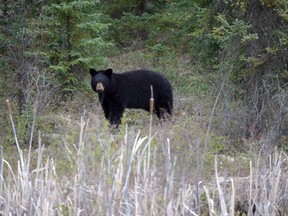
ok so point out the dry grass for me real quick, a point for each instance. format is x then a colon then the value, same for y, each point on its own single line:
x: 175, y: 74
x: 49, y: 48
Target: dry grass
x: 148, y: 167
x: 155, y: 172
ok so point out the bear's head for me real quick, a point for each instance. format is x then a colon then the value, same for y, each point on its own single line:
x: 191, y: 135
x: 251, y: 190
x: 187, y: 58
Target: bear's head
x: 100, y: 80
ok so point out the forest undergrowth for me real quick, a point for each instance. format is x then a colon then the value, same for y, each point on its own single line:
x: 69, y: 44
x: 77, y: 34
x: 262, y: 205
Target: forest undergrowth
x: 148, y: 167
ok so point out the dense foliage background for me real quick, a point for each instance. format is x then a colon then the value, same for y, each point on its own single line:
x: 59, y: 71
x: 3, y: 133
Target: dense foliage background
x: 47, y: 47
x: 227, y: 61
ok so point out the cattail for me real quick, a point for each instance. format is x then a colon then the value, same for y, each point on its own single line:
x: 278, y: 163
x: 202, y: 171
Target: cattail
x: 8, y: 106
x: 151, y: 101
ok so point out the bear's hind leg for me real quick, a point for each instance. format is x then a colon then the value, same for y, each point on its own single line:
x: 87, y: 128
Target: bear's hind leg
x: 161, y: 112
x: 158, y: 112
x: 169, y: 108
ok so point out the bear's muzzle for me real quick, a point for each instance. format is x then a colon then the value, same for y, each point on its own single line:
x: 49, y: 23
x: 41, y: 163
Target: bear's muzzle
x: 99, y: 87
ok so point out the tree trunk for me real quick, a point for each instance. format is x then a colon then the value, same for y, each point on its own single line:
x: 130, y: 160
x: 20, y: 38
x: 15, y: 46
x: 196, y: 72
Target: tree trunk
x: 68, y: 37
x: 259, y: 88
x: 141, y: 7
x: 15, y: 21
x: 21, y: 85
x: 69, y: 48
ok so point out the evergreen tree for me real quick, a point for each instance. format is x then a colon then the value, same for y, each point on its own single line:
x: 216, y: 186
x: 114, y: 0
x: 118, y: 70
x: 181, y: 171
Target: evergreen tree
x: 74, y: 33
x: 17, y: 41
x: 251, y: 37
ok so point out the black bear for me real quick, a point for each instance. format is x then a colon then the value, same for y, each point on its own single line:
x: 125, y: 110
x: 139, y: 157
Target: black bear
x: 131, y: 89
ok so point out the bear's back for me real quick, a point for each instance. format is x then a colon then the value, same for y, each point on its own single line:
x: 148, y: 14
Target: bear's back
x: 143, y: 79
x: 137, y: 87
x: 144, y: 76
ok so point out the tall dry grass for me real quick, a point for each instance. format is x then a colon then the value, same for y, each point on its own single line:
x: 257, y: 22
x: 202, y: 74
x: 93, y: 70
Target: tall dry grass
x: 136, y: 176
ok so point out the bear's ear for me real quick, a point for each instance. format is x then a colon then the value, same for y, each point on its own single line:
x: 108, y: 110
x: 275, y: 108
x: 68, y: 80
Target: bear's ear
x: 108, y: 72
x: 93, y: 72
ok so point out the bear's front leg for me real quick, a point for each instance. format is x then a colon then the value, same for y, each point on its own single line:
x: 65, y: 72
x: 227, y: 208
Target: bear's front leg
x: 116, y: 112
x: 106, y: 109
x: 105, y: 105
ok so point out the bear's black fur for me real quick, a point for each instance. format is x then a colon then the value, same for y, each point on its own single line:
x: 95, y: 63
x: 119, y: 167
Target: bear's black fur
x: 131, y: 89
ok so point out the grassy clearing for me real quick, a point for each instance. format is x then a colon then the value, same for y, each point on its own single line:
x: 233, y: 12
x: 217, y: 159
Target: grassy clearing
x: 73, y: 165
x: 145, y: 169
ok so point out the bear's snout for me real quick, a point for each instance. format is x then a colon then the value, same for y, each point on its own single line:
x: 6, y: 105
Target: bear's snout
x: 99, y: 87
